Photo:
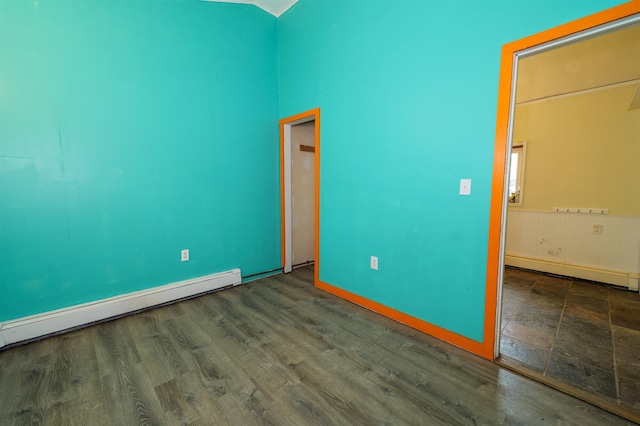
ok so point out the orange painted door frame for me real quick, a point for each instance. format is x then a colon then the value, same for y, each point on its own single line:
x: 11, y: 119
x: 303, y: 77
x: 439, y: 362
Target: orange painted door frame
x: 486, y: 348
x: 418, y: 324
x: 285, y: 145
x: 498, y: 194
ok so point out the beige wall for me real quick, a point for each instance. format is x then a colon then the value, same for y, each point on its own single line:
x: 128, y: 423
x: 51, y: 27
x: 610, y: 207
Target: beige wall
x: 595, y: 62
x: 583, y: 151
x: 302, y: 193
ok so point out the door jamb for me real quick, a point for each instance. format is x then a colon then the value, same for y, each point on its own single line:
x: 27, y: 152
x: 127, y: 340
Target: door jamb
x: 506, y: 104
x: 285, y: 187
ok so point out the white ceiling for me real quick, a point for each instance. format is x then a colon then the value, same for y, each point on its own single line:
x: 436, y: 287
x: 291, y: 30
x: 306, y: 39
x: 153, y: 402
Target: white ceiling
x: 274, y: 7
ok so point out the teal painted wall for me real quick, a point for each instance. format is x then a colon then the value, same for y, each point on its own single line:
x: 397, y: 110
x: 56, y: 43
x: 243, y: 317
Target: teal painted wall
x: 129, y: 131
x: 408, y: 95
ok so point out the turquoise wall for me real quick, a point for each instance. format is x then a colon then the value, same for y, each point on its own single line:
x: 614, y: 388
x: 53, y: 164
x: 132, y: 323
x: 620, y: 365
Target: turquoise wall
x: 408, y: 94
x: 132, y: 130
x: 129, y: 131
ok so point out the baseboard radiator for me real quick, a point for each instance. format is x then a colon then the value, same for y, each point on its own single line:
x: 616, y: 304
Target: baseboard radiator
x: 623, y: 279
x: 40, y: 325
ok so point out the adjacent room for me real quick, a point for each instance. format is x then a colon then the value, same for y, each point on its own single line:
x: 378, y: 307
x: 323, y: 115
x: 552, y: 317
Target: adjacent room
x: 286, y: 212
x: 571, y: 306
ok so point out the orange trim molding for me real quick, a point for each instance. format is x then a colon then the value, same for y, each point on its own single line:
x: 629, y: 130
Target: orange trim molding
x: 501, y: 144
x: 486, y: 348
x: 315, y: 115
x: 413, y: 322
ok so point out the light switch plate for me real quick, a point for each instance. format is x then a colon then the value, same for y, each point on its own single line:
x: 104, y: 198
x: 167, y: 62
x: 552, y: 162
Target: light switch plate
x: 465, y: 186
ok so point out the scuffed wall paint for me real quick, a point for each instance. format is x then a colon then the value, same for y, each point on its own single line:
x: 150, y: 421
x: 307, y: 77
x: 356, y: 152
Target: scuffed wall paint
x: 130, y: 131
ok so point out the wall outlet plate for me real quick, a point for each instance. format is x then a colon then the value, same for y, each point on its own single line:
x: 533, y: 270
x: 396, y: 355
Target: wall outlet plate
x: 184, y: 255
x: 374, y: 263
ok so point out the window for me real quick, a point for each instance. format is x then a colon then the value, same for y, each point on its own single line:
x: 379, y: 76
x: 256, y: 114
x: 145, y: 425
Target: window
x: 516, y: 173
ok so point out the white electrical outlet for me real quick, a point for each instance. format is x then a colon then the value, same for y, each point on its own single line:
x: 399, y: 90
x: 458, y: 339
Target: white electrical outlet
x: 184, y: 255
x: 374, y: 263
x: 597, y: 229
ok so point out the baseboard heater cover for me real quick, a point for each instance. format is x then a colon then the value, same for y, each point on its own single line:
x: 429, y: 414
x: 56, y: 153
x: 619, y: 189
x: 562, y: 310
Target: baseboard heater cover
x: 622, y: 279
x: 46, y: 323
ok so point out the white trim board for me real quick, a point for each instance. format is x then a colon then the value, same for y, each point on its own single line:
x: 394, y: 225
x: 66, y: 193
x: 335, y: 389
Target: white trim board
x: 46, y: 323
x: 288, y: 239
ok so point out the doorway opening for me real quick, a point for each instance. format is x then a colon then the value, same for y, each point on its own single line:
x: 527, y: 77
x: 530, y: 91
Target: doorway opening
x: 300, y: 190
x: 302, y: 196
x: 608, y: 22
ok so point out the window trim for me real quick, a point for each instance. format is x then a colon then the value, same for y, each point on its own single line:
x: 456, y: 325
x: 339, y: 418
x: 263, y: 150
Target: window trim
x: 520, y: 174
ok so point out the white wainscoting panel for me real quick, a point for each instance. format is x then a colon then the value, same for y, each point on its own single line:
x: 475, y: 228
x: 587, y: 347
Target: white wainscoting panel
x: 59, y: 320
x: 566, y: 244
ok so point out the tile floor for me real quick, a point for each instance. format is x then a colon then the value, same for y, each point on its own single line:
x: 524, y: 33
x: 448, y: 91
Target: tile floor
x: 583, y: 333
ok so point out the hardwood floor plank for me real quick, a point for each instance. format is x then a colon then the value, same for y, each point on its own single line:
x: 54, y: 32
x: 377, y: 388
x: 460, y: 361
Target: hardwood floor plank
x: 273, y: 351
x: 133, y: 397
x: 29, y: 401
x: 215, y: 370
x: 309, y: 408
x: 201, y: 401
x: 74, y: 384
x: 114, y: 349
x: 184, y: 402
x: 12, y: 363
x: 159, y: 354
x: 229, y: 377
x: 334, y: 394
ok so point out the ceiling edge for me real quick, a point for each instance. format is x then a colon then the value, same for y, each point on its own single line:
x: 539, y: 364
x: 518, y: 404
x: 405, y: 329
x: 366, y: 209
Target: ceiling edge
x: 275, y: 8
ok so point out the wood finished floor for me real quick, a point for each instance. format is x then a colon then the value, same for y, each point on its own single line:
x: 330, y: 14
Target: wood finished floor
x: 273, y: 351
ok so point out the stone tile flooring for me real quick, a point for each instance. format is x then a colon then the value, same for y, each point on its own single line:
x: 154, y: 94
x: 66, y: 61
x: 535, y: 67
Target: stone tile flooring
x: 582, y: 333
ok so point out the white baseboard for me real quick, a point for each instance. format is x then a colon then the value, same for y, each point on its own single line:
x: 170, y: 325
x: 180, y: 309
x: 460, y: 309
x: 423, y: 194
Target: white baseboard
x: 634, y: 280
x: 621, y: 279
x: 39, y: 325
